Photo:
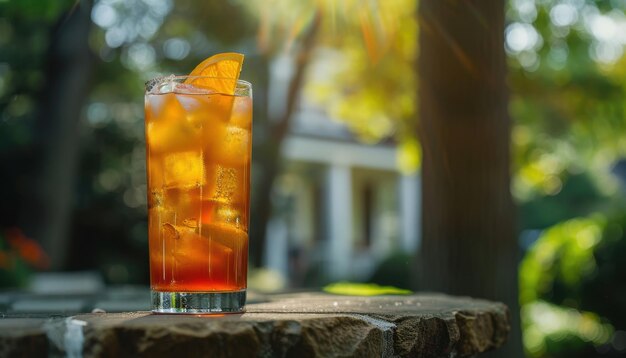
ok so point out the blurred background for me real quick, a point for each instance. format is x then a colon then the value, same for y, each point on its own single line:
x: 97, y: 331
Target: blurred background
x: 337, y: 160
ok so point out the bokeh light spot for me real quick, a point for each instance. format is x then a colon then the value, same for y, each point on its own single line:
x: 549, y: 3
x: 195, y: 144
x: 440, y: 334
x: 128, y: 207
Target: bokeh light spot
x: 176, y: 48
x: 115, y: 37
x: 110, y: 179
x: 104, y: 15
x: 521, y: 37
x: 98, y: 114
x: 563, y: 15
x: 141, y: 56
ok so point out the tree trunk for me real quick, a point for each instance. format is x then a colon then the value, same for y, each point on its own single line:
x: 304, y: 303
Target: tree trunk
x: 469, y: 245
x: 68, y: 68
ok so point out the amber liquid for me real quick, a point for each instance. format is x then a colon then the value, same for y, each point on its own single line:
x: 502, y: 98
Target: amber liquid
x: 198, y: 164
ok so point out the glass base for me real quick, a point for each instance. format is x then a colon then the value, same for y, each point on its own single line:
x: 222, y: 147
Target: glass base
x: 198, y: 302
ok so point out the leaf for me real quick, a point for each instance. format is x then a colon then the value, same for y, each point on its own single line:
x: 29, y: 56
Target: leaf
x: 363, y: 289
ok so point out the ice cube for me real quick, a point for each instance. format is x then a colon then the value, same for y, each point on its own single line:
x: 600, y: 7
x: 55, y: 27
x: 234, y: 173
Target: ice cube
x: 162, y: 85
x: 237, y: 142
x: 221, y: 106
x: 155, y: 199
x: 153, y: 105
x: 226, y: 184
x: 155, y: 171
x: 179, y: 242
x: 191, y: 103
x: 167, y: 127
x: 190, y: 223
x: 207, y: 109
x: 220, y: 212
x: 184, y: 170
x: 184, y: 88
x: 159, y: 213
x: 242, y: 113
x: 197, y: 109
x: 187, y: 203
x: 163, y: 106
x: 169, y: 233
x: 226, y: 235
x: 232, y: 147
x: 174, y: 235
x: 169, y: 238
x: 228, y: 214
x: 193, y: 249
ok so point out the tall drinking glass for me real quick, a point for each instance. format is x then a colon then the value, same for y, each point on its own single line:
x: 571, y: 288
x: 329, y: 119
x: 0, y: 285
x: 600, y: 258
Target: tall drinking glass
x: 198, y: 145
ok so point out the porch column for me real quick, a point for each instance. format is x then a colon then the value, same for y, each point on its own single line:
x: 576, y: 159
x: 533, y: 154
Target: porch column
x: 410, y: 199
x: 339, y: 219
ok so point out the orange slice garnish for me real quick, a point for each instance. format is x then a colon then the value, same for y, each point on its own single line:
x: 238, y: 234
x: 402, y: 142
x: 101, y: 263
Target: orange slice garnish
x: 219, y: 73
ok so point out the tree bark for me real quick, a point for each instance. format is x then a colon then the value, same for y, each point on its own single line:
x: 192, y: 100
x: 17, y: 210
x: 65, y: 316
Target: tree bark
x: 68, y: 68
x: 469, y: 245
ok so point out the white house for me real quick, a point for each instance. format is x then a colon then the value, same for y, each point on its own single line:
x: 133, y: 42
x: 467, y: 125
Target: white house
x: 340, y: 206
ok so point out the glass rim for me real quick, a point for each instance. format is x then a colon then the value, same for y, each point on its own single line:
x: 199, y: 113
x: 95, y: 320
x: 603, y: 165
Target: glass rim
x: 181, y: 77
x: 242, y: 87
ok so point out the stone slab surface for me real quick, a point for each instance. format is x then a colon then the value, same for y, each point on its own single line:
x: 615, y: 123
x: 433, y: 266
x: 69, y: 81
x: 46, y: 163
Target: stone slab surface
x: 295, y: 325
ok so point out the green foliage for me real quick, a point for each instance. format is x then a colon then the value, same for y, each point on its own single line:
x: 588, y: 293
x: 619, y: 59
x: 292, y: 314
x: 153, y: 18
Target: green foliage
x: 25, y: 28
x: 562, y: 256
x: 366, y: 53
x: 573, y: 286
x: 394, y: 270
x: 372, y: 87
x: 567, y: 84
x: 569, y: 110
x: 578, y: 196
x: 36, y: 9
x: 604, y: 292
x: 554, y: 331
x: 363, y: 289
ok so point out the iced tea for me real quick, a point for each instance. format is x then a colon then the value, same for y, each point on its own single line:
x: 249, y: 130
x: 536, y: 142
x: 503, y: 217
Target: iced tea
x: 198, y: 146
